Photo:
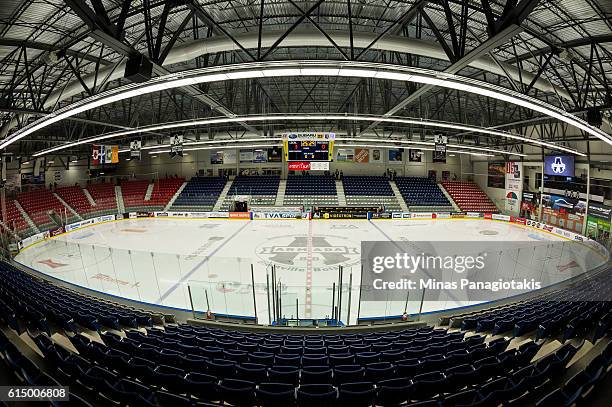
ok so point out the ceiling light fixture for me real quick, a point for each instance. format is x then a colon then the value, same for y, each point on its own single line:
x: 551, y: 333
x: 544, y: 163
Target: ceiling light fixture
x: 270, y: 69
x: 308, y: 117
x: 338, y: 145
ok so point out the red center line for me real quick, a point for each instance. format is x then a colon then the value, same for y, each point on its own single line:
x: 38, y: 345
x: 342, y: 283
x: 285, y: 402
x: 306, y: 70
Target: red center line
x: 308, y: 299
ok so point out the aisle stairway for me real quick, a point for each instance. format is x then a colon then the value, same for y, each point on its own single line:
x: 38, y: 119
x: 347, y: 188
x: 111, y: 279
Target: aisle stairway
x: 119, y: 197
x: 450, y: 198
x: 92, y: 202
x: 222, y: 196
x: 176, y: 195
x: 74, y: 213
x: 26, y: 217
x: 149, y: 192
x: 340, y: 192
x: 280, y: 196
x: 398, y: 196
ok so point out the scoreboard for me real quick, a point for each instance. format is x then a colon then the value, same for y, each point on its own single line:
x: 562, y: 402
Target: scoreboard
x: 307, y: 150
x: 308, y: 146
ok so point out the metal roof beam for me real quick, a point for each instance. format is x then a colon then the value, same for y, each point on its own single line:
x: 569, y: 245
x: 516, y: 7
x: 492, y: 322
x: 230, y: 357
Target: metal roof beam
x: 557, y: 48
x: 103, y: 34
x: 12, y: 42
x: 483, y: 48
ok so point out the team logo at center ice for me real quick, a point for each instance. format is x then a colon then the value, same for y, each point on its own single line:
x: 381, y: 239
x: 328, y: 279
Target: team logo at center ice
x: 292, y: 252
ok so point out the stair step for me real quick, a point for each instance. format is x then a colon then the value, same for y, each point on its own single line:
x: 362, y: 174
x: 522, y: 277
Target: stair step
x: 398, y: 196
x: 27, y: 217
x: 149, y: 192
x: 222, y: 196
x: 71, y: 209
x: 280, y: 197
x: 176, y: 195
x: 119, y: 198
x: 340, y: 193
x: 89, y: 197
x: 450, y: 198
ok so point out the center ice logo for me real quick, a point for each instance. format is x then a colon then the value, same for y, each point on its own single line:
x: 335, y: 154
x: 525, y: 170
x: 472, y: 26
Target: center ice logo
x: 291, y: 252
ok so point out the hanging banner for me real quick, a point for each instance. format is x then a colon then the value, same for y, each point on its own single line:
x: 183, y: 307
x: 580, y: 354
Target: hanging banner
x: 260, y: 156
x: 414, y: 156
x: 105, y: 155
x: 229, y: 157
x: 176, y: 146
x: 345, y: 154
x: 135, y: 147
x: 496, y: 172
x: 376, y: 156
x: 319, y: 165
x: 246, y: 156
x: 298, y: 166
x: 97, y: 155
x: 439, y: 154
x: 362, y: 155
x: 396, y: 156
x: 514, y: 186
x: 108, y: 154
x: 216, y: 158
x: 308, y: 165
x: 275, y: 155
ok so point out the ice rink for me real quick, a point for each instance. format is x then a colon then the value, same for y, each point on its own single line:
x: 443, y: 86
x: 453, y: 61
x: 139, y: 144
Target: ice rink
x: 161, y: 261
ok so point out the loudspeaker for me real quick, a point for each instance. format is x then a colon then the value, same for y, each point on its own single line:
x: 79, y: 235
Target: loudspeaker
x: 138, y: 69
x: 594, y: 117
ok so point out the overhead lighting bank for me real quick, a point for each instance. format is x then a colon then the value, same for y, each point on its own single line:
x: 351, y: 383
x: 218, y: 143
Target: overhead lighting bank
x: 273, y: 69
x: 314, y: 118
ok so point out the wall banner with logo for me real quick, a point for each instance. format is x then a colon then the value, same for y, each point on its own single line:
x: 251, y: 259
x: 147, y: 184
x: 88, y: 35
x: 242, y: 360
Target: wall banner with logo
x: 514, y: 186
x: 104, y: 155
x: 362, y: 155
x: 414, y: 155
x: 396, y: 156
x: 176, y: 146
x: 439, y: 153
x: 376, y: 156
x: 135, y: 149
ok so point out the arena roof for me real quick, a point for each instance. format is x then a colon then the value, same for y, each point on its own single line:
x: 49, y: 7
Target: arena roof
x: 54, y: 53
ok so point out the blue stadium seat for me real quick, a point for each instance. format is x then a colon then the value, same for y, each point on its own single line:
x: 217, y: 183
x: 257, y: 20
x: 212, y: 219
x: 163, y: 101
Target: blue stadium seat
x: 237, y: 392
x: 392, y: 392
x: 360, y: 394
x: 202, y: 386
x: 316, y: 395
x: 315, y: 375
x: 348, y: 374
x: 284, y: 374
x: 200, y: 193
x: 276, y: 394
x: 254, y: 372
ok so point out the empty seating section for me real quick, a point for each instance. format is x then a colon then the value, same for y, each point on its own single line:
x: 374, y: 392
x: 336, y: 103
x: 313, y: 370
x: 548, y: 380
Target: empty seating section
x: 76, y: 199
x: 15, y: 221
x: 310, y: 190
x: 163, y: 191
x: 105, y: 198
x: 39, y: 203
x: 423, y: 194
x: 200, y: 193
x: 368, y: 191
x: 133, y: 193
x: 261, y: 190
x: 141, y: 359
x: 469, y: 197
x: 566, y: 313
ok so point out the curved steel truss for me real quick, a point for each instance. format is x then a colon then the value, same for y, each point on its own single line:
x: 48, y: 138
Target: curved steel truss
x: 59, y: 52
